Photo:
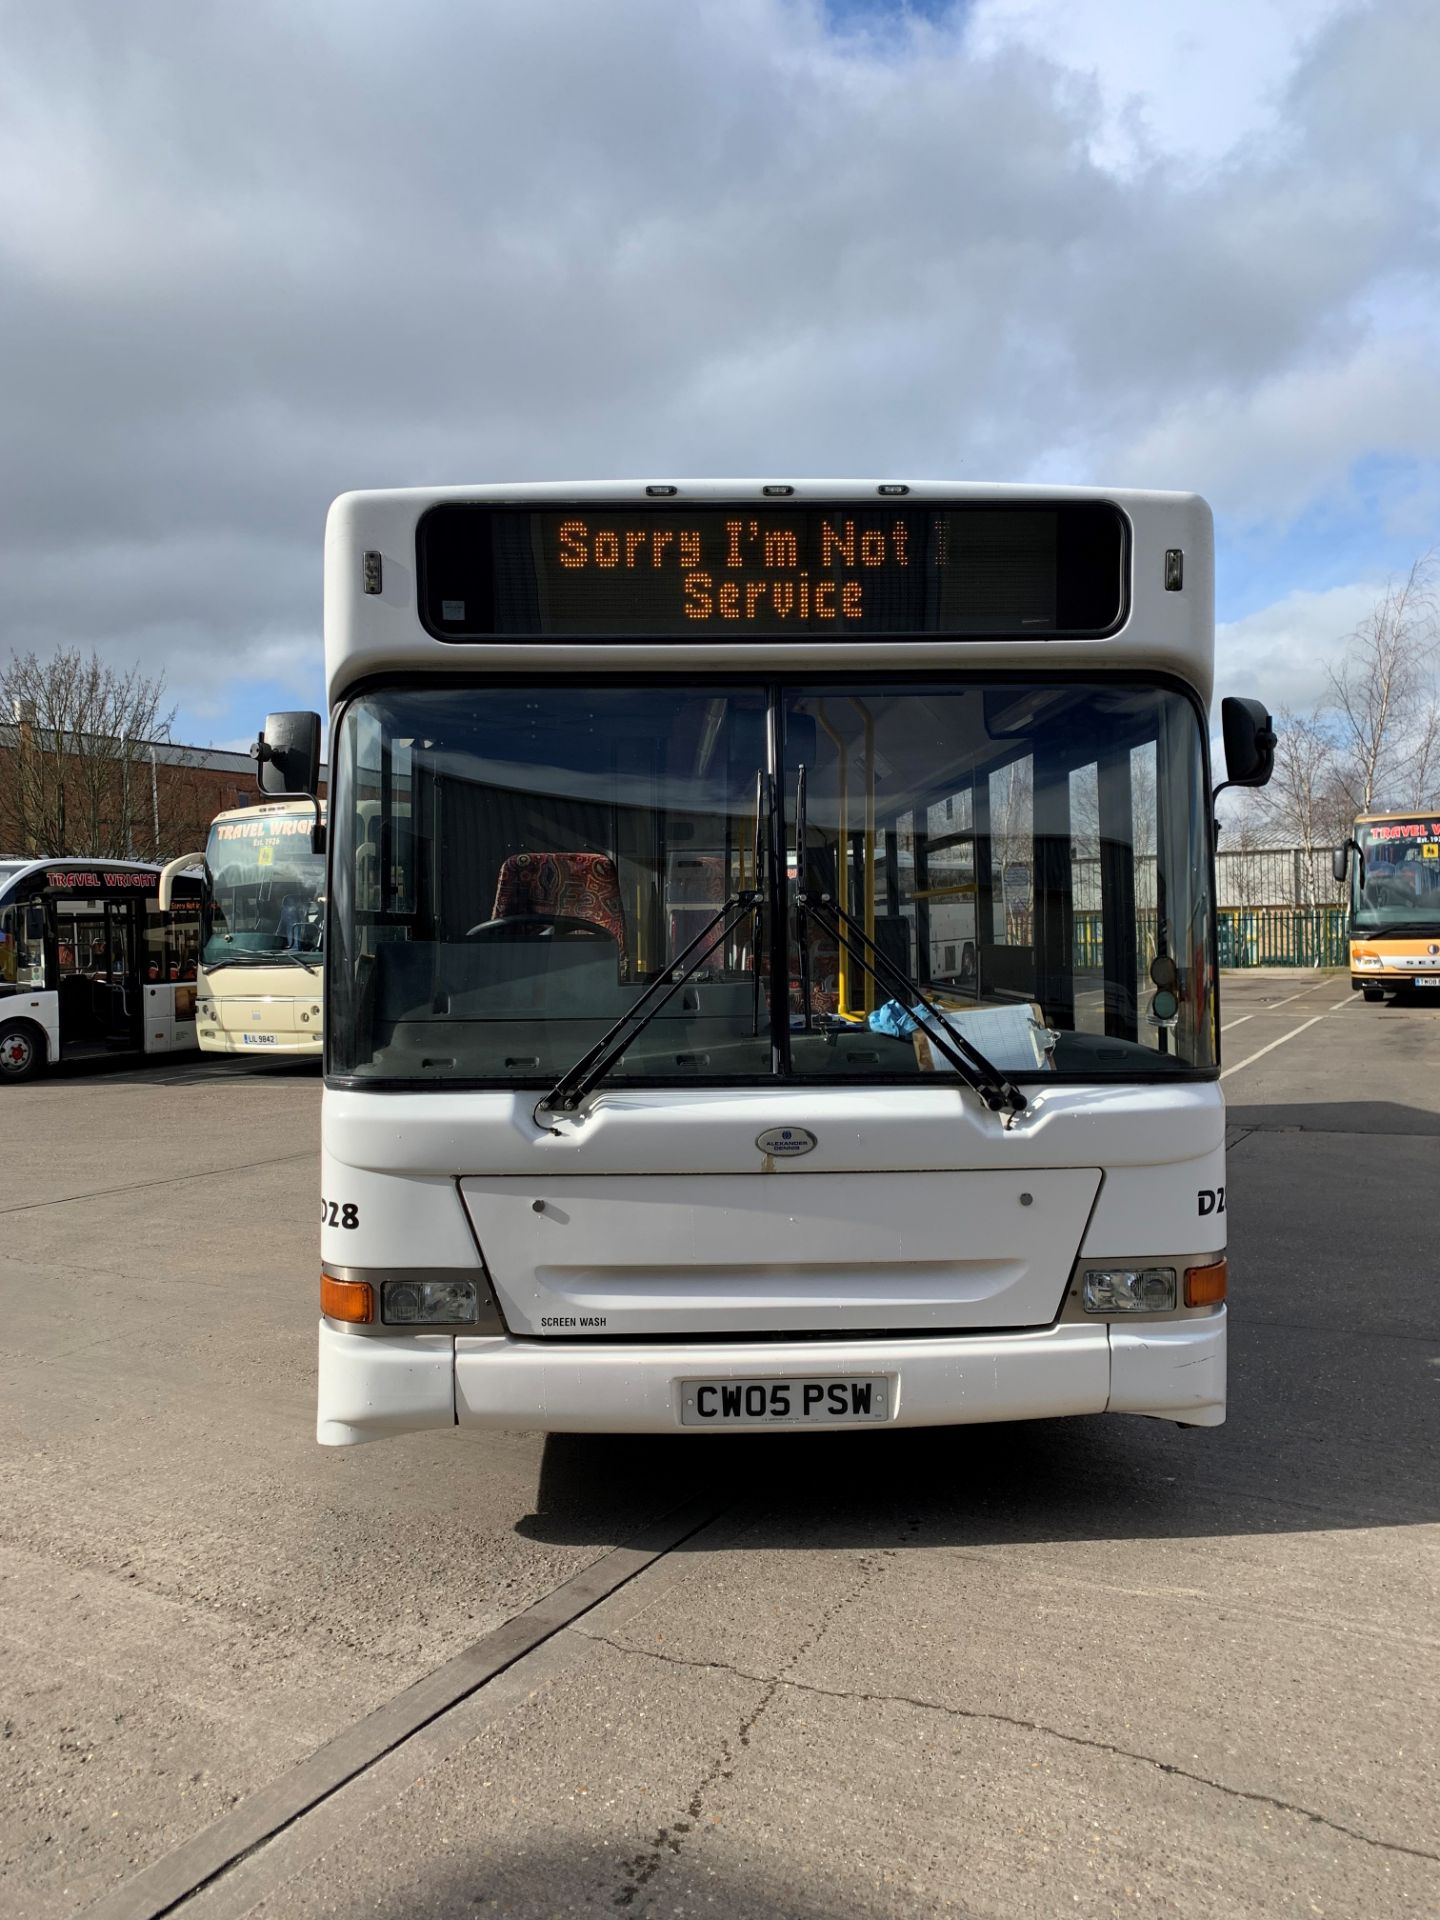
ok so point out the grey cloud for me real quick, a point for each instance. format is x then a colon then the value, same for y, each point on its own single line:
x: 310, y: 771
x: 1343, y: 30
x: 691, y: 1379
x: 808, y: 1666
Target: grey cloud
x: 249, y: 258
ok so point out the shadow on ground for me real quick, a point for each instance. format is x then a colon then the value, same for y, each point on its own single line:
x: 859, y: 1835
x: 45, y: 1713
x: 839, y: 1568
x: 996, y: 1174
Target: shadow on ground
x: 520, y: 1882
x: 1334, y: 1116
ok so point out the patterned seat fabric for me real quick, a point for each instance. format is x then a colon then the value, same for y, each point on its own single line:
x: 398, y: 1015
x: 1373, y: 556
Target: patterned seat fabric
x: 568, y: 886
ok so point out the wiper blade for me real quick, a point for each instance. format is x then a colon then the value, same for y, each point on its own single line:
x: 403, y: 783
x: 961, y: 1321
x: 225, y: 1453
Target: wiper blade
x: 276, y: 958
x: 576, y: 1081
x: 1395, y: 929
x: 573, y: 1085
x: 996, y: 1089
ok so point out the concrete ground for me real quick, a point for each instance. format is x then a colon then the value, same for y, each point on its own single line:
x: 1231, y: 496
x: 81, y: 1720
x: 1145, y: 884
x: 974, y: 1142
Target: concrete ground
x: 1091, y: 1667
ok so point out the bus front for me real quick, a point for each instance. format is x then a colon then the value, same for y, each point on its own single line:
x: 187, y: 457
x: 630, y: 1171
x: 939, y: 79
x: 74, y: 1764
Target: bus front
x: 770, y: 960
x: 260, y: 986
x: 1394, y: 904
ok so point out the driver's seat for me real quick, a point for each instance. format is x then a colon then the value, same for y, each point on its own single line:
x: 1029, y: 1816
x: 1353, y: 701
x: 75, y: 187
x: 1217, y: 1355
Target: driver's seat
x: 569, y: 886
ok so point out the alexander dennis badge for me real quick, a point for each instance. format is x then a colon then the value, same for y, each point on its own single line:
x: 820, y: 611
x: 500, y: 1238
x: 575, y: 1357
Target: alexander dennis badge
x: 783, y: 1143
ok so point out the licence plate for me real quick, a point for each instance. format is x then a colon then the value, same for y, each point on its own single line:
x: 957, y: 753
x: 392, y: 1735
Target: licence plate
x: 832, y: 1401
x: 1427, y: 980
x: 258, y: 1039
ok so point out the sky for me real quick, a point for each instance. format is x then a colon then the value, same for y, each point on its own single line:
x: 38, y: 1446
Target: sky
x: 252, y: 256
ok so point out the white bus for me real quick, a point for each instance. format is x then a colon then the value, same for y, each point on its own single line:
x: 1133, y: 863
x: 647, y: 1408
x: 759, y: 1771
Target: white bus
x: 261, y: 986
x: 91, y: 965
x: 715, y: 1038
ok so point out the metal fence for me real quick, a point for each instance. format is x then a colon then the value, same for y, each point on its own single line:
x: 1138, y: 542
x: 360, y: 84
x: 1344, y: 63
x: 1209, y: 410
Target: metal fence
x: 1284, y: 937
x: 1248, y: 937
x: 1278, y: 907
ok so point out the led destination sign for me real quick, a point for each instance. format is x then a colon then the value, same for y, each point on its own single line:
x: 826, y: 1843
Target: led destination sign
x: 740, y: 572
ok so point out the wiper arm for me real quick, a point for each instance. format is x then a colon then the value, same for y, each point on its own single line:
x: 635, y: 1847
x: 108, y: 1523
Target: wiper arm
x: 576, y: 1081
x: 996, y: 1089
x: 294, y: 957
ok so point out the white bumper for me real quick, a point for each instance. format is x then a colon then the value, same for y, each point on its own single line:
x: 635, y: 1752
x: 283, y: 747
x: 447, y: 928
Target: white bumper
x: 373, y: 1385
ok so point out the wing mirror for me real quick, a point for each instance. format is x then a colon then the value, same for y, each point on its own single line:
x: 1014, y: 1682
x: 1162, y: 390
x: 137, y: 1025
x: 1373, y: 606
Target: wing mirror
x: 287, y: 761
x: 1249, y: 742
x: 288, y: 755
x: 1249, y: 735
x: 1340, y: 861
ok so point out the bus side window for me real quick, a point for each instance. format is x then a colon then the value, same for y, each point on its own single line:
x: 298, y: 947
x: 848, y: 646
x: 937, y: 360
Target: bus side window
x: 22, y: 944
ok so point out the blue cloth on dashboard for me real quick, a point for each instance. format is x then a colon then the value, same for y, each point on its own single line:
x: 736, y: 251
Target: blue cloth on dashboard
x: 893, y: 1019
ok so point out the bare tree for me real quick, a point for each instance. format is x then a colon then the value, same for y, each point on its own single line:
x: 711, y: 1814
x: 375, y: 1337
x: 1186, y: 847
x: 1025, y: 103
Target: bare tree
x: 1012, y: 830
x: 1383, y: 697
x: 78, y: 773
x: 1307, y: 802
x: 1241, y: 870
x: 1424, y: 771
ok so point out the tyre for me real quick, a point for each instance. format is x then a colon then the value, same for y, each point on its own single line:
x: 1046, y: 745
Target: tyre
x: 22, y: 1050
x: 1373, y: 993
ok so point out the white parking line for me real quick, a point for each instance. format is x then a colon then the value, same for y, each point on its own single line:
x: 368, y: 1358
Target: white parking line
x: 1293, y: 1034
x: 1237, y: 1023
x: 1314, y: 987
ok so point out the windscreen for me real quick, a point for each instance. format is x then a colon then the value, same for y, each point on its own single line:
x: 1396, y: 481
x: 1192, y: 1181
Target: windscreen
x: 513, y: 866
x: 266, y: 891
x: 1396, y: 881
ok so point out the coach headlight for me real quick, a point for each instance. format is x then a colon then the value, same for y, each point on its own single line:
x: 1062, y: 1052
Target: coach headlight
x: 1367, y: 960
x: 1129, y: 1290
x: 429, y: 1303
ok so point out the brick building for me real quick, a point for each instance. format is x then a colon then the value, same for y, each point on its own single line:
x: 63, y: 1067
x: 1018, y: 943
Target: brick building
x: 147, y: 800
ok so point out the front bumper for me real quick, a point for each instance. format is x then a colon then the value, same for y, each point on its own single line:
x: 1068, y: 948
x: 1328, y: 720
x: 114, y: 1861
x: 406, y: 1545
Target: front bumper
x: 282, y: 1043
x: 377, y: 1384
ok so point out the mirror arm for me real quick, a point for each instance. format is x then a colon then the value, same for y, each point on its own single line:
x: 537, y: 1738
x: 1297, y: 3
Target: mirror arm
x: 171, y: 871
x: 1215, y: 793
x: 317, y: 832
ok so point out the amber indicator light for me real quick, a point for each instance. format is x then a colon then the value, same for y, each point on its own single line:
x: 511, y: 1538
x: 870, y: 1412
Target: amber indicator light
x: 1206, y: 1286
x: 352, y: 1300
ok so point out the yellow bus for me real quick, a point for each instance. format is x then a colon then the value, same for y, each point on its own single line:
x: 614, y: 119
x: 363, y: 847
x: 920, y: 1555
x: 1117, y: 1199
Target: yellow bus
x: 262, y: 924
x: 1394, y: 902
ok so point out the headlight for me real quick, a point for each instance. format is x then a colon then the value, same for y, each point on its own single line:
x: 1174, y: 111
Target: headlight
x: 429, y: 1303
x: 1129, y: 1290
x: 1367, y: 960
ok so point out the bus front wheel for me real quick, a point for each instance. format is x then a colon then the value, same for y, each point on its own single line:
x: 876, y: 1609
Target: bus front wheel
x: 22, y: 1050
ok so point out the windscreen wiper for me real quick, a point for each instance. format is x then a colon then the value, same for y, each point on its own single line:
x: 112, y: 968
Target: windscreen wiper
x: 995, y: 1088
x: 280, y: 956
x: 1398, y: 930
x: 576, y: 1081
